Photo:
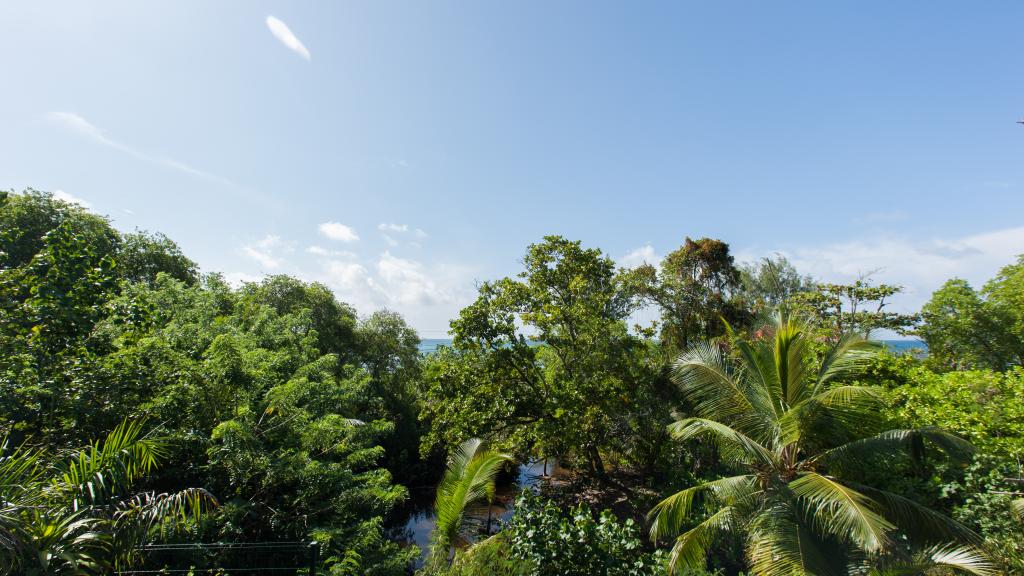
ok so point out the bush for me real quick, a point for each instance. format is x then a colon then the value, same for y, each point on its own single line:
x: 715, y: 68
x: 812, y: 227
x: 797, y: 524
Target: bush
x: 551, y: 542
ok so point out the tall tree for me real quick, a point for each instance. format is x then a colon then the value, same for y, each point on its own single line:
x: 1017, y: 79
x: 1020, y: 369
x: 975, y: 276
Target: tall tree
x: 966, y: 329
x: 861, y: 308
x: 770, y: 282
x: 694, y: 288
x: 581, y: 372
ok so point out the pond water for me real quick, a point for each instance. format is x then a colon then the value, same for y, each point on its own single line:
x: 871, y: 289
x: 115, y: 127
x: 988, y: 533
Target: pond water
x: 419, y: 511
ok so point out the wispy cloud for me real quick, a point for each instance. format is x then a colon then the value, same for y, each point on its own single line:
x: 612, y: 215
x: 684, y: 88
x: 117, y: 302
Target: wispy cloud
x: 326, y: 253
x: 389, y: 228
x: 339, y: 232
x: 282, y: 32
x: 79, y: 125
x: 920, y: 267
x: 71, y: 199
x: 642, y: 255
x: 265, y: 251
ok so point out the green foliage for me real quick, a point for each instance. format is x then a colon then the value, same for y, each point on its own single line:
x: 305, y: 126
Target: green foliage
x: 966, y: 329
x: 73, y: 512
x: 141, y: 256
x: 794, y: 428
x: 273, y: 396
x: 468, y: 480
x: 695, y: 288
x: 771, y: 282
x: 984, y: 406
x: 588, y: 374
x: 549, y: 541
x: 491, y: 557
x: 858, y: 308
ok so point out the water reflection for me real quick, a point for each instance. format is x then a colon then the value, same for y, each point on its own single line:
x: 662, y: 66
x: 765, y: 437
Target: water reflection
x: 419, y: 510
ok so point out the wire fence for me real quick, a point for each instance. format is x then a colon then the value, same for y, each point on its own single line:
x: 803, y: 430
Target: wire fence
x: 228, y: 559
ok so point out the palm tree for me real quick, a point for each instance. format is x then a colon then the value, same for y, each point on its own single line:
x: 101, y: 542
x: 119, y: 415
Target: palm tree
x: 73, y: 512
x: 795, y: 429
x: 468, y: 479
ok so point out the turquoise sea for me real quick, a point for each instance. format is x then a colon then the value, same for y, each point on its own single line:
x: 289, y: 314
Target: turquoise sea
x: 428, y: 345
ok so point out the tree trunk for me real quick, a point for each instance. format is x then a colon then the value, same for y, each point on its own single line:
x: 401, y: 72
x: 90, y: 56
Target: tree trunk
x: 597, y: 465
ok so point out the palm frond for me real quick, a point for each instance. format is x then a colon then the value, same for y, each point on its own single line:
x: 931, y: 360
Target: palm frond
x: 780, y: 545
x: 21, y: 471
x: 1017, y: 506
x: 690, y: 548
x: 139, y: 517
x: 919, y: 522
x: 941, y: 559
x: 670, y: 515
x: 735, y: 445
x: 853, y: 407
x: 758, y: 362
x: 893, y: 442
x: 847, y: 358
x: 466, y: 481
x: 842, y: 511
x: 91, y: 475
x: 719, y: 391
x: 790, y: 351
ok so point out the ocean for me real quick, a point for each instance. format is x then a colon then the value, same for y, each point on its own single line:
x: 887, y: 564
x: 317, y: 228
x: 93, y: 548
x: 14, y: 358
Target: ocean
x: 428, y: 345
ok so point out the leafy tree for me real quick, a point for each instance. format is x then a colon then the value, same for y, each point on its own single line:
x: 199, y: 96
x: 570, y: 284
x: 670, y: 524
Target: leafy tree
x: 771, y: 282
x: 860, y: 308
x: 389, y: 349
x: 794, y: 431
x: 965, y: 329
x: 695, y: 287
x: 141, y: 256
x: 582, y: 371
x: 269, y: 403
x: 468, y: 480
x: 26, y: 219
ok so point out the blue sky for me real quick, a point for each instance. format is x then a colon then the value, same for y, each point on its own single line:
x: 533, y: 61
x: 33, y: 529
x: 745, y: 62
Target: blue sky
x: 402, y: 151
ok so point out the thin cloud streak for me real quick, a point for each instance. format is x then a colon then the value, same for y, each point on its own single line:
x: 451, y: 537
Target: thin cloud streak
x: 282, y: 32
x: 75, y: 123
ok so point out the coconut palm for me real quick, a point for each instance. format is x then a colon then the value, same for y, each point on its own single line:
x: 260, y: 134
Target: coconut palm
x: 74, y: 512
x: 468, y: 479
x: 796, y: 429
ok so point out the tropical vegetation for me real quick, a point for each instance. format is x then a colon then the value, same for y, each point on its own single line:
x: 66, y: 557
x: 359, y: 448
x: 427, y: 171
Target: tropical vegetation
x: 751, y: 426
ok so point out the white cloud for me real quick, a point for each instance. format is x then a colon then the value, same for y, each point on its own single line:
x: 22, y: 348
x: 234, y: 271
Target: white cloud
x: 920, y: 267
x: 406, y: 283
x: 392, y: 227
x: 282, y: 32
x: 324, y: 252
x: 237, y: 279
x: 339, y: 232
x: 71, y: 199
x: 428, y: 295
x: 265, y: 251
x: 642, y: 255
x: 75, y: 123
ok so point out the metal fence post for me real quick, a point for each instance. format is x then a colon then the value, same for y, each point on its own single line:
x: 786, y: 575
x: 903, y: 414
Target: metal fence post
x: 314, y: 557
